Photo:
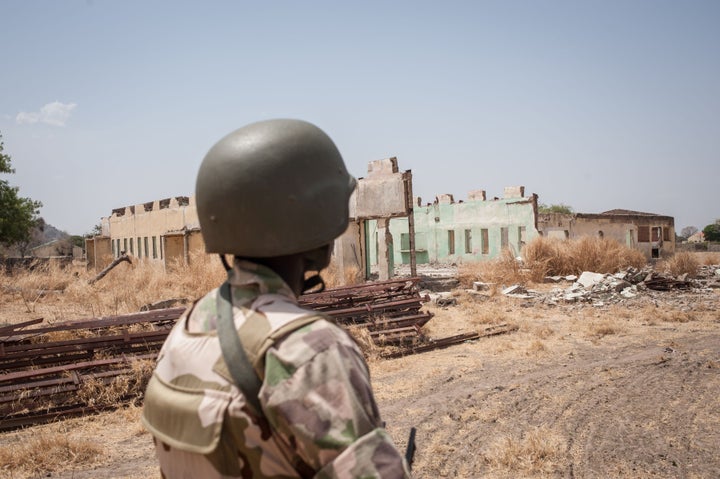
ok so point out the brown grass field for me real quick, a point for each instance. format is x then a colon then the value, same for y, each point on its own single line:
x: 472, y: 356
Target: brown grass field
x: 626, y: 390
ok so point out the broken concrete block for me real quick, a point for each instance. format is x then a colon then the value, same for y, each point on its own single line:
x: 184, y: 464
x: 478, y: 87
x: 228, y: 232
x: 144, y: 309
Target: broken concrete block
x: 628, y: 293
x: 571, y: 277
x: 435, y: 297
x: 618, y: 286
x: 480, y: 286
x: 514, y: 289
x: 571, y: 297
x: 588, y: 278
x: 514, y: 192
x: 444, y: 302
x: 552, y: 279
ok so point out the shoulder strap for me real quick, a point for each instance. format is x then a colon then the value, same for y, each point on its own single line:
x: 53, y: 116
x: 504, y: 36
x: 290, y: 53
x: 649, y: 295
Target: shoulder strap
x: 238, y: 364
x: 240, y: 367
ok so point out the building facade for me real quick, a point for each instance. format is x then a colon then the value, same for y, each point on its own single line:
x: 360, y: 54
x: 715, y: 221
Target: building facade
x: 162, y: 230
x: 652, y: 234
x: 472, y: 230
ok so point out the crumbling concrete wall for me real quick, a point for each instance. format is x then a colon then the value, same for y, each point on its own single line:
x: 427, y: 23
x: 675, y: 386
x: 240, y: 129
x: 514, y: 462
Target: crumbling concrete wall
x: 180, y: 247
x: 449, y: 231
x: 98, y: 252
x: 384, y: 196
x: 348, y: 258
x: 135, y: 229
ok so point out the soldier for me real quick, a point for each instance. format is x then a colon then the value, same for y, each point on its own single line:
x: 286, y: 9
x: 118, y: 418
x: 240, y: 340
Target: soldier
x: 248, y: 384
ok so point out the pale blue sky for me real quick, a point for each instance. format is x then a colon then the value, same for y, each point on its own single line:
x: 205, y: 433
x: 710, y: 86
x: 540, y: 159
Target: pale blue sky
x: 595, y: 104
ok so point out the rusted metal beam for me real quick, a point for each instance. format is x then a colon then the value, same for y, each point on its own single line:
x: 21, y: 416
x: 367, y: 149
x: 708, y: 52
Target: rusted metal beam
x: 389, y: 310
x: 160, y: 315
x: 61, y: 369
x: 435, y: 344
x: 10, y: 329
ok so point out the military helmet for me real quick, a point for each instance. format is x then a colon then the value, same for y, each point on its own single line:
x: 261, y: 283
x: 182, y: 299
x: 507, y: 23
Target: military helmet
x: 272, y: 188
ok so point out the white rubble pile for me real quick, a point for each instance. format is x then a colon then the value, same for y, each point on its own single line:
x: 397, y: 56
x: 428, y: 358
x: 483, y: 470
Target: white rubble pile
x: 601, y: 289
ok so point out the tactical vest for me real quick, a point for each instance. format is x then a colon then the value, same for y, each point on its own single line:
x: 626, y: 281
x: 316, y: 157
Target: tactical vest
x: 188, y: 412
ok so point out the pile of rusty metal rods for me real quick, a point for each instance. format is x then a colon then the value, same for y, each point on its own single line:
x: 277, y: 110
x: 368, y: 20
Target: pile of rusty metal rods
x: 70, y: 368
x: 60, y: 370
x: 389, y: 310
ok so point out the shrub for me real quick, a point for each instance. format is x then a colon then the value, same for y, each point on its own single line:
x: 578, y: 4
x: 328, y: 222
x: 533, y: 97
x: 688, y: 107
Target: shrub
x: 680, y: 263
x: 549, y: 256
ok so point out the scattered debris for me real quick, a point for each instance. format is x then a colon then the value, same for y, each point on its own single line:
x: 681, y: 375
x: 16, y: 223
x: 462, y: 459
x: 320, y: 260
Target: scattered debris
x: 101, y: 275
x: 61, y: 370
x: 602, y: 289
x: 164, y: 304
x: 480, y: 286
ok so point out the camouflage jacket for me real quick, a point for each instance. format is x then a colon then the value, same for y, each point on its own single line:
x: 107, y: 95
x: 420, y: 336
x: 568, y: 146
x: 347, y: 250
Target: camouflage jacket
x: 320, y: 417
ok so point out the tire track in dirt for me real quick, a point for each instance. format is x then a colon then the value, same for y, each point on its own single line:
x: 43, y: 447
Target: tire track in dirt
x: 632, y: 410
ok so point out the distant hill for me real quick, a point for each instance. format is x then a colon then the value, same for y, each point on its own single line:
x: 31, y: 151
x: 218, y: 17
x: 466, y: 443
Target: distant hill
x: 41, y: 234
x: 51, y: 233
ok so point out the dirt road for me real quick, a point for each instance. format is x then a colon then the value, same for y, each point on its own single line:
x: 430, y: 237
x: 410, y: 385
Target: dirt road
x: 621, y: 407
x: 624, y: 391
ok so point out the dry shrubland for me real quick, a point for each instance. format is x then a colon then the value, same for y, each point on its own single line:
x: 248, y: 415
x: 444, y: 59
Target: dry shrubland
x: 680, y: 263
x: 536, y: 453
x: 549, y: 257
x: 61, y: 294
x: 48, y: 451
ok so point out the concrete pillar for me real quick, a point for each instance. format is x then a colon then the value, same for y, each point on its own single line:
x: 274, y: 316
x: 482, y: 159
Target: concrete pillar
x: 385, y: 250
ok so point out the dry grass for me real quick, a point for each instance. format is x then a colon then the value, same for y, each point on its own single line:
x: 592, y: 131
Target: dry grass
x: 708, y: 259
x: 603, y: 328
x: 45, y: 452
x: 61, y: 294
x: 538, y: 452
x: 362, y: 337
x: 116, y: 391
x: 680, y: 263
x: 333, y: 278
x: 653, y: 315
x: 548, y: 257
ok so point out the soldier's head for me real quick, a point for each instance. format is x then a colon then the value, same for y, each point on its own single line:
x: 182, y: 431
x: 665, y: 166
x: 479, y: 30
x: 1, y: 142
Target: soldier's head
x: 275, y: 188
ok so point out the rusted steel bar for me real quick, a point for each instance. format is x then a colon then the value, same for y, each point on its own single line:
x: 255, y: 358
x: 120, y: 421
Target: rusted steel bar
x: 60, y: 369
x: 160, y: 315
x: 374, y: 308
x: 375, y: 285
x: 418, y: 319
x: 68, y: 345
x: 10, y: 329
x: 396, y: 331
x: 436, y: 344
x: 76, y: 381
x: 389, y: 310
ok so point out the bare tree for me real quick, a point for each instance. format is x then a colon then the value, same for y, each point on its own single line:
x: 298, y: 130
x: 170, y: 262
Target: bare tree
x: 688, y: 231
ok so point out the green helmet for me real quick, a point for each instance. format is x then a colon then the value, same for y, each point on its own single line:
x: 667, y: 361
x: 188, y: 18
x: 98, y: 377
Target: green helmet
x: 272, y: 188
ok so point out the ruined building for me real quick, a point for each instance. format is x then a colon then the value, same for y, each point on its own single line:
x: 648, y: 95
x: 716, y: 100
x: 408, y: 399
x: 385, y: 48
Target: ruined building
x: 472, y: 230
x: 650, y: 233
x: 163, y: 230
x: 388, y: 227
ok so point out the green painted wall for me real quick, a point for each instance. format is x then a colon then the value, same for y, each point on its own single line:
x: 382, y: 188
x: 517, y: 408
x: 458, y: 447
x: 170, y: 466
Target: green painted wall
x: 454, y: 232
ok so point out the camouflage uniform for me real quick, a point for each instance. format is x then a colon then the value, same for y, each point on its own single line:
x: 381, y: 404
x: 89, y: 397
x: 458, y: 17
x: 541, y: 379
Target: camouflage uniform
x: 320, y: 417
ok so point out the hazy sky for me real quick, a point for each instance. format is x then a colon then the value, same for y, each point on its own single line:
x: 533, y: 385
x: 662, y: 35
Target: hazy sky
x: 595, y: 104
